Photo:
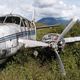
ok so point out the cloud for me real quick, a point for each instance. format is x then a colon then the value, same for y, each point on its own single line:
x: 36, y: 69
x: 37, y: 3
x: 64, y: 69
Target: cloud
x: 4, y: 10
x: 44, y: 8
x: 44, y: 3
x: 22, y: 7
x: 56, y: 8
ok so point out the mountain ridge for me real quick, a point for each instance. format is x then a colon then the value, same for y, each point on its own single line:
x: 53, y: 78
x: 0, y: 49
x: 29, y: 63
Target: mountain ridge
x: 52, y: 21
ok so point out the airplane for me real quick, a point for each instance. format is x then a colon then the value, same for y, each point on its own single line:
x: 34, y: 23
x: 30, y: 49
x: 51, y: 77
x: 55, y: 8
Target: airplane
x: 17, y: 31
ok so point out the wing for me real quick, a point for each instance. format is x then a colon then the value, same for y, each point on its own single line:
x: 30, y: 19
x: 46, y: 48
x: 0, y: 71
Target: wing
x: 72, y: 39
x: 32, y: 43
x: 47, y: 26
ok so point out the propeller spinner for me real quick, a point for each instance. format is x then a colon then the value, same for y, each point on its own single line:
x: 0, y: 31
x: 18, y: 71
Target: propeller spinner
x: 51, y: 39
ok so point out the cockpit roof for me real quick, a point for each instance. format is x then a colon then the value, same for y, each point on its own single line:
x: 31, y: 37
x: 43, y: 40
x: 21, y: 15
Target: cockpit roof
x: 14, y: 15
x: 17, y: 19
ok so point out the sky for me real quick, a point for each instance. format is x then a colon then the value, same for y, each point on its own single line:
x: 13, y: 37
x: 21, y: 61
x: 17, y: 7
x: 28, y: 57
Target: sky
x: 43, y: 8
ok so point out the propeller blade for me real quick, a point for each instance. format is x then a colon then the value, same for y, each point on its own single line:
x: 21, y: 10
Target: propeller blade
x: 33, y: 15
x: 32, y: 43
x: 33, y: 18
x: 60, y: 63
x: 33, y: 21
x: 70, y: 25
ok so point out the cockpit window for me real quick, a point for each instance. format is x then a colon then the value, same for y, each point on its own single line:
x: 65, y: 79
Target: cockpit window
x: 2, y: 19
x: 26, y: 23
x: 10, y: 19
x: 23, y: 22
x: 17, y: 20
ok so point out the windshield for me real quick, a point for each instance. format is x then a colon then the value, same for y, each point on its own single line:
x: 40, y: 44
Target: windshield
x: 10, y: 19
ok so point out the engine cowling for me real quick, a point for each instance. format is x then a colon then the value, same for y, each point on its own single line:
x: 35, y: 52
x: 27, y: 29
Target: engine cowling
x: 51, y: 38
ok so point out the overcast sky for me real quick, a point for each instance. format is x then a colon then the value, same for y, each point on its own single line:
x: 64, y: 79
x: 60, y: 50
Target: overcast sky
x: 43, y: 8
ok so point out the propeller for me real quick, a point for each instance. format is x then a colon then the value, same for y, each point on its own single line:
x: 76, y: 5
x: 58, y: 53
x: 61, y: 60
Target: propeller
x: 33, y: 18
x: 33, y: 15
x: 61, y: 66
x: 33, y: 21
x: 55, y: 43
x: 65, y: 31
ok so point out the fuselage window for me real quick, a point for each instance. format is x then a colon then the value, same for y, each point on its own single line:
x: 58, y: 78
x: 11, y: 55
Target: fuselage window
x: 27, y: 23
x: 23, y: 23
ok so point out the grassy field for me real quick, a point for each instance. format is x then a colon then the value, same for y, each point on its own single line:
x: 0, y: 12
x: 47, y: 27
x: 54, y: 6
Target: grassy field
x: 24, y: 66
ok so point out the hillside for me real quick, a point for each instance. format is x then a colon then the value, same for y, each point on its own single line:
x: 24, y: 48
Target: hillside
x: 24, y: 66
x: 52, y: 21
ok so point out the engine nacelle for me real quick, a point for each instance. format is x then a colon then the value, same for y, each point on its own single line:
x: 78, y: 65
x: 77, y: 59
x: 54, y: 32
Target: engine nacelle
x: 51, y: 38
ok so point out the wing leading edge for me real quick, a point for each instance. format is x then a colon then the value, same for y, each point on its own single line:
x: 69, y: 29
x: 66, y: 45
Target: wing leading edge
x: 72, y: 39
x: 32, y: 43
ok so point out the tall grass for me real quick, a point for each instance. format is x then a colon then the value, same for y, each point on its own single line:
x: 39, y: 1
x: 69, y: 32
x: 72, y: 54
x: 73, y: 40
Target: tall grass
x: 24, y: 66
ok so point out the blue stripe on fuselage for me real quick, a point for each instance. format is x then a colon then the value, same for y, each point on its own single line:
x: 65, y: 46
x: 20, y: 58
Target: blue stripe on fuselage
x: 17, y: 35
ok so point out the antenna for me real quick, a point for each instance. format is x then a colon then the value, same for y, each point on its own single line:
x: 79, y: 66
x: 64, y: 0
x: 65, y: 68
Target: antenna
x: 11, y: 12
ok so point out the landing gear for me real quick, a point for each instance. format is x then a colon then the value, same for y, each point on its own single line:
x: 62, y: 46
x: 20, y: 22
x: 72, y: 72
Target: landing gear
x: 35, y: 53
x: 44, y: 54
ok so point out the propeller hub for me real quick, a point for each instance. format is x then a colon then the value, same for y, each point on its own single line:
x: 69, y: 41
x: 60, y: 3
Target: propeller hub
x: 51, y: 38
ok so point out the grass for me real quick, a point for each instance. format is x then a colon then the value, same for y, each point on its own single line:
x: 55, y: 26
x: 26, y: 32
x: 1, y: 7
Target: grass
x: 24, y: 66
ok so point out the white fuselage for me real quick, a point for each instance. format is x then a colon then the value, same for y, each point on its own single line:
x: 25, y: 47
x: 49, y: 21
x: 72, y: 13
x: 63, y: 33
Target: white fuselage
x: 9, y: 35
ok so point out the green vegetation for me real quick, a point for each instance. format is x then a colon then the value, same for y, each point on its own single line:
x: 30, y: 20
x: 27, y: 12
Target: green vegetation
x: 24, y: 66
x: 39, y: 24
